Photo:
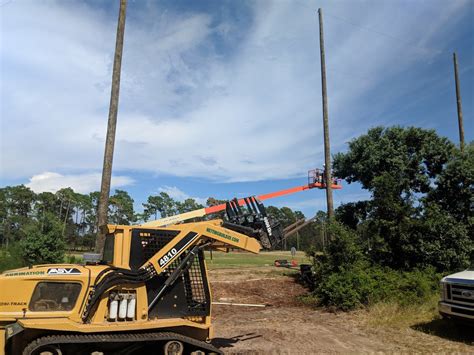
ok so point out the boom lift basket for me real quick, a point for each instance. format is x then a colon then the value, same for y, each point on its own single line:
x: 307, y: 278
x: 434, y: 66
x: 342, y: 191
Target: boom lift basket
x: 317, y: 177
x: 252, y: 220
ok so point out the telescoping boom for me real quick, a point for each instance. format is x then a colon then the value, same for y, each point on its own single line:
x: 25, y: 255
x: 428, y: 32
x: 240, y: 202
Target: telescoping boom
x: 315, y: 180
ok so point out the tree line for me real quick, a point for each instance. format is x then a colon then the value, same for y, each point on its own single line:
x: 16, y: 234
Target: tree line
x: 40, y: 227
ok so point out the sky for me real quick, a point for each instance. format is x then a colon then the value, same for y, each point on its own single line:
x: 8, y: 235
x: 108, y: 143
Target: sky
x: 220, y: 98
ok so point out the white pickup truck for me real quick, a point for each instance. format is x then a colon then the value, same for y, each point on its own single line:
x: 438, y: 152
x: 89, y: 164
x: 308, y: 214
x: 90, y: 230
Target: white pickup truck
x: 457, y: 296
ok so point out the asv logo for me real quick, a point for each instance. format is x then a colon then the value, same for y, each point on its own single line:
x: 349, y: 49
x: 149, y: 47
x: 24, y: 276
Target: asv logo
x: 63, y: 271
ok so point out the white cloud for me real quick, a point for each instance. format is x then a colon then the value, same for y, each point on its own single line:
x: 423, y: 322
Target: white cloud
x: 179, y: 195
x: 82, y: 183
x: 187, y: 108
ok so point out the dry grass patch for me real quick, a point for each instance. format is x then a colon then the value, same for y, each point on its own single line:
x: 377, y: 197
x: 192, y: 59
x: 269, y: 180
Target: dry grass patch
x: 394, y: 315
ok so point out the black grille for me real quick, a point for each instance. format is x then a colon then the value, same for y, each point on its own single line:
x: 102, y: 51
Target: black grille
x: 187, y: 296
x: 195, y: 285
x: 462, y: 299
x: 460, y: 294
x: 154, y: 241
x: 146, y: 243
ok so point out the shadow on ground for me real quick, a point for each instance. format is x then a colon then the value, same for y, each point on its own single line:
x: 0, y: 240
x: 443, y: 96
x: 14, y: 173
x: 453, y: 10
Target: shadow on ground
x: 229, y: 342
x: 448, y: 329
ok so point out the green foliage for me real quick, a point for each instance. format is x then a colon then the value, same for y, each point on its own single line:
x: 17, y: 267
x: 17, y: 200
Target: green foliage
x: 284, y: 215
x: 162, y: 204
x: 345, y: 290
x: 11, y: 258
x: 42, y: 242
x: 16, y: 204
x: 211, y: 201
x: 346, y: 279
x: 420, y: 212
x: 454, y: 186
x: 437, y: 239
x: 121, y: 208
x: 353, y: 213
x: 309, y: 237
x: 344, y: 251
x: 358, y: 287
x: 418, y: 222
x: 413, y: 156
x: 72, y: 259
x: 188, y: 205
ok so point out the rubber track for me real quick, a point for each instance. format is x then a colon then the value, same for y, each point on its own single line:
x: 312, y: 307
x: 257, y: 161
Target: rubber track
x: 116, y: 338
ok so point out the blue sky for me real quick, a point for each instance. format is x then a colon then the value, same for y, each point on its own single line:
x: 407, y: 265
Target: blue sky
x: 220, y: 98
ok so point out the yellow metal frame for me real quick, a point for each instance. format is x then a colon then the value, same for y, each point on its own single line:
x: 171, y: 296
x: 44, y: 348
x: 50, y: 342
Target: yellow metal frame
x: 17, y: 286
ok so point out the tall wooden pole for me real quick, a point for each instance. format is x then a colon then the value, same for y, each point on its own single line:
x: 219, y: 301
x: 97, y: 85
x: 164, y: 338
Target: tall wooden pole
x: 327, y: 148
x: 111, y: 126
x: 459, y: 104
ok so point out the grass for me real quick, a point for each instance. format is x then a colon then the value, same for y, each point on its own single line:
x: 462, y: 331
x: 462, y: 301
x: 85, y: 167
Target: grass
x: 392, y: 314
x: 234, y: 259
x: 242, y: 259
x: 396, y: 319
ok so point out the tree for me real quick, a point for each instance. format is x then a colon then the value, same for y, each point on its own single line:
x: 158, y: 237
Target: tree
x: 454, y: 187
x: 121, y: 208
x: 409, y: 171
x: 66, y: 196
x: 352, y: 214
x: 92, y: 213
x: 16, y: 204
x: 308, y: 237
x: 162, y: 204
x: 151, y: 208
x: 188, y: 205
x: 211, y: 201
x: 45, y: 202
x: 412, y: 156
x: 166, y: 205
x: 437, y: 239
x: 43, y: 247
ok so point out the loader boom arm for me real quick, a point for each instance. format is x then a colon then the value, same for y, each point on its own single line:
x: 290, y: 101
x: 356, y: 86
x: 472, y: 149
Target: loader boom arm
x: 212, y: 233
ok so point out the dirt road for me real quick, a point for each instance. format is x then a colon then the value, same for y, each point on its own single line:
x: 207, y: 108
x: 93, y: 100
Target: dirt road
x: 287, y: 326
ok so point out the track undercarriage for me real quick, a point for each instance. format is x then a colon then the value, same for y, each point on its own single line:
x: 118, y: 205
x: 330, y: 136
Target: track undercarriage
x: 121, y: 344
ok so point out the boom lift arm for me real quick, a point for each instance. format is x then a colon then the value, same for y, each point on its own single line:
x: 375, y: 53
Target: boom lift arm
x: 315, y: 180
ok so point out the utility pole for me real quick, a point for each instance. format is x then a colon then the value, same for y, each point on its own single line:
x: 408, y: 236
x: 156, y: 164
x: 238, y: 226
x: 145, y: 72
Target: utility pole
x: 111, y: 126
x: 327, y: 148
x: 459, y: 104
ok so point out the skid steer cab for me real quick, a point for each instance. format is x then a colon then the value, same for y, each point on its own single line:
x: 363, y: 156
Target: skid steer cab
x: 148, y: 293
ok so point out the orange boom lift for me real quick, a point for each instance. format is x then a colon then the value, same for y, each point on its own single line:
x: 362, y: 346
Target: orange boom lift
x: 315, y: 180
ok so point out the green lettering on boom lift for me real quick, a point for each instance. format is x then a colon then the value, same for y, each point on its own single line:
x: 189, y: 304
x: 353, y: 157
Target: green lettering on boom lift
x: 223, y: 235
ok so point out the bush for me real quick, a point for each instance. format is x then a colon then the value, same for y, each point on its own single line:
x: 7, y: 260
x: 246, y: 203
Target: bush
x: 345, y: 250
x: 346, y: 280
x: 356, y: 287
x: 345, y: 290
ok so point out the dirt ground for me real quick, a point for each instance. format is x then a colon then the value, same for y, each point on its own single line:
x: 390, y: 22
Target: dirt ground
x: 287, y: 326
